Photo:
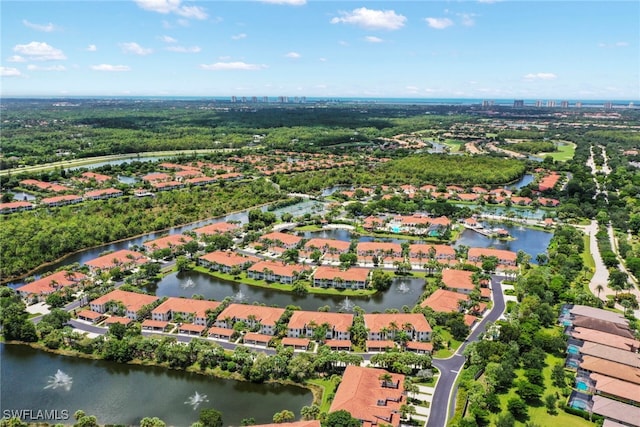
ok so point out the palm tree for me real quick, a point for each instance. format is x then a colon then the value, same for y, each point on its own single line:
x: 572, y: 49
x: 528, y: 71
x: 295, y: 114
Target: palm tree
x: 599, y: 288
x: 386, y: 379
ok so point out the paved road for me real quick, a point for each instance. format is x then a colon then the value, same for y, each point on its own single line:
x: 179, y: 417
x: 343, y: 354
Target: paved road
x: 445, y: 394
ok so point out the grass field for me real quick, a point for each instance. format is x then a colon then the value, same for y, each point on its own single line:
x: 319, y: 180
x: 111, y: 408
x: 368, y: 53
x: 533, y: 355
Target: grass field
x: 538, y: 414
x: 328, y: 387
x: 565, y: 152
x: 447, y: 338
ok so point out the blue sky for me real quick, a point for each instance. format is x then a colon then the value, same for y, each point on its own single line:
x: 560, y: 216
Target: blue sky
x: 421, y: 49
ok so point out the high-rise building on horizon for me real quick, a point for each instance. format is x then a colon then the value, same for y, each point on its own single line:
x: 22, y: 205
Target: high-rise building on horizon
x: 564, y: 104
x: 518, y: 103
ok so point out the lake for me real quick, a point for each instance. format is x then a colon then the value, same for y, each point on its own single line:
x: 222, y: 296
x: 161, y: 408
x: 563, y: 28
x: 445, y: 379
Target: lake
x: 124, y: 394
x: 404, y: 291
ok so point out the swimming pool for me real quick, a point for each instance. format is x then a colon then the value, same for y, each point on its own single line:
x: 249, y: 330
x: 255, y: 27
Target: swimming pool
x: 572, y: 349
x: 579, y: 404
x: 582, y: 386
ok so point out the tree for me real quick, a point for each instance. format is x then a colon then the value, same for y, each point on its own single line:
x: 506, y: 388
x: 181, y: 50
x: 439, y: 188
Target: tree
x: 518, y: 408
x: 529, y: 392
x: 310, y: 412
x: 183, y: 263
x: 152, y: 422
x: 248, y: 421
x: 550, y: 401
x: 211, y: 418
x: 505, y: 420
x: 340, y: 418
x: 380, y: 280
x: 283, y: 416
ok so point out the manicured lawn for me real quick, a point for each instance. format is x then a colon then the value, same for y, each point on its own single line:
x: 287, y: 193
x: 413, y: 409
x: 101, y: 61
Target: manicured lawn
x: 311, y: 227
x: 453, y: 144
x: 565, y: 152
x: 446, y: 337
x: 538, y: 414
x: 329, y: 388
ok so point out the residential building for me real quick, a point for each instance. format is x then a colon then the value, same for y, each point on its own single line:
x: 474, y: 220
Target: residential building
x: 443, y: 301
x: 304, y: 324
x: 507, y: 258
x: 367, y: 397
x: 11, y: 207
x: 189, y: 310
x: 49, y: 284
x: 132, y: 302
x: 254, y: 316
x: 216, y: 228
x: 385, y: 326
x: 272, y: 271
x: 61, y: 200
x: 458, y: 280
x: 283, y: 240
x: 352, y: 278
x: 172, y: 241
x: 106, y: 193
x: 327, y: 245
x: 225, y: 261
x: 124, y: 259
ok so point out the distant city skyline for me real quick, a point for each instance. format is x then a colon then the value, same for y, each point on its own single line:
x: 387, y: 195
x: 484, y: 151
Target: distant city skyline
x: 486, y: 49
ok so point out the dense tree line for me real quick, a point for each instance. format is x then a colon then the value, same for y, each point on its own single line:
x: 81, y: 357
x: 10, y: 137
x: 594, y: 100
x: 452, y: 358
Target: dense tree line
x: 29, y: 239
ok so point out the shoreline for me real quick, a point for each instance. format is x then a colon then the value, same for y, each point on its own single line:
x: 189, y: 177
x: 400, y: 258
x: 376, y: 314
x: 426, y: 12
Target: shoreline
x: 315, y: 390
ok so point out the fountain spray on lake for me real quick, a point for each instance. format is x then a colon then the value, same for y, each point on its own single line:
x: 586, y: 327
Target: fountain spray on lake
x: 195, y: 400
x: 188, y: 284
x: 59, y: 380
x: 346, y: 305
x: 403, y: 288
x: 239, y: 297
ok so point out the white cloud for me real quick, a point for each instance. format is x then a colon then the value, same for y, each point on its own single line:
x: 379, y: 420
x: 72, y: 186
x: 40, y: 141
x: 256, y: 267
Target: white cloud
x: 322, y: 59
x: 371, y: 19
x: 173, y: 6
x: 286, y: 2
x: 91, y: 48
x: 622, y: 44
x: 613, y: 45
x: 224, y: 66
x: 239, y: 36
x: 16, y: 58
x: 540, y: 76
x: 468, y: 19
x: 439, y: 23
x: 32, y: 67
x: 39, y: 51
x: 134, y: 48
x: 168, y: 39
x: 373, y: 39
x: 109, y: 67
x: 293, y: 55
x: 47, y: 28
x: 184, y: 49
x: 9, y: 72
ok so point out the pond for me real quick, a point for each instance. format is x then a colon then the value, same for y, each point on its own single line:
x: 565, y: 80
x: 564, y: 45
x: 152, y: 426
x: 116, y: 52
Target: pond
x: 120, y: 161
x: 532, y: 241
x: 124, y: 394
x: 22, y: 196
x: 404, y: 291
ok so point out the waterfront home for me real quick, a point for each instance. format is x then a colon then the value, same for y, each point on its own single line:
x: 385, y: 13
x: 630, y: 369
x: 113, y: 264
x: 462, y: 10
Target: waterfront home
x: 254, y: 316
x: 352, y: 278
x: 57, y: 201
x: 386, y: 326
x: 124, y: 259
x: 225, y: 261
x: 506, y: 258
x: 372, y: 223
x: 548, y: 182
x: 458, y: 280
x: 187, y: 310
x: 216, y: 228
x: 277, y: 238
x: 11, y: 207
x: 131, y: 301
x: 272, y: 271
x: 419, y: 253
x: 156, y: 177
x: 172, y: 242
x: 304, y: 324
x: 44, y: 186
x: 93, y: 176
x: 444, y: 301
x: 379, y: 249
x: 107, y: 193
x: 369, y: 396
x: 47, y: 285
x: 545, y: 201
x: 327, y: 245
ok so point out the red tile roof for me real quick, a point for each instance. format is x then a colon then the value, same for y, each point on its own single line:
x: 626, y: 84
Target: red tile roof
x: 171, y: 241
x: 48, y: 284
x: 229, y: 259
x: 325, y: 244
x: 267, y: 316
x: 360, y: 392
x: 441, y: 250
x: 190, y: 327
x: 154, y: 324
x: 157, y: 176
x: 325, y: 272
x: 420, y: 346
x: 379, y: 247
x: 296, y: 342
x: 341, y: 322
x: 96, y: 176
x: 253, y: 336
x: 117, y: 319
x: 376, y: 322
x: 132, y: 301
x: 500, y: 253
x: 443, y: 301
x: 100, y: 193
x: 338, y: 343
x: 278, y: 268
x: 287, y: 239
x: 15, y: 205
x: 225, y: 332
x: 457, y: 279
x: 88, y: 314
x: 186, y: 305
x: 122, y: 257
x: 216, y: 228
x: 57, y: 199
x: 548, y: 182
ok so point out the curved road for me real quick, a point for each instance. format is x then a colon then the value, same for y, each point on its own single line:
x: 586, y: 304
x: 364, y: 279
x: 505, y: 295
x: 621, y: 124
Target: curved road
x: 443, y: 404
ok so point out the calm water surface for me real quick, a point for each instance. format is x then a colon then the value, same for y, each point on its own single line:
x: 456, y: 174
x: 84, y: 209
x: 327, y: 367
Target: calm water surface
x: 124, y: 394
